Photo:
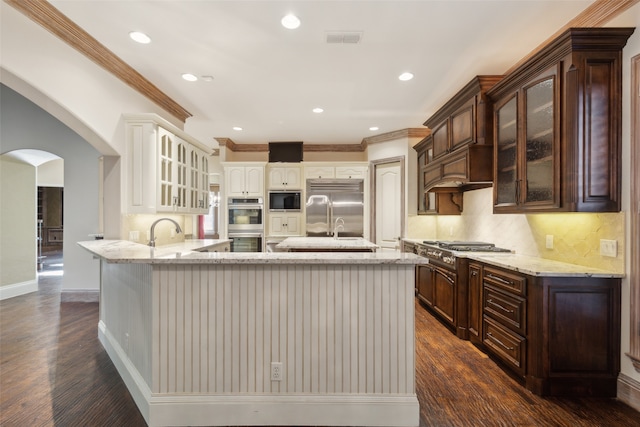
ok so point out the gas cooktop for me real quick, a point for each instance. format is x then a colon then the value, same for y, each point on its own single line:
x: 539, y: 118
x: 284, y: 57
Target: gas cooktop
x: 463, y: 246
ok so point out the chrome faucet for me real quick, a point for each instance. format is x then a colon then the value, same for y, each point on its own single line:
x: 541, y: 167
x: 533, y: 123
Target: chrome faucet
x: 152, y: 237
x: 337, y: 227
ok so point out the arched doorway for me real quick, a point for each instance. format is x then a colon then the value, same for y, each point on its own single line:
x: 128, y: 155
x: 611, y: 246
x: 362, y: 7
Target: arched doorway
x: 32, y: 223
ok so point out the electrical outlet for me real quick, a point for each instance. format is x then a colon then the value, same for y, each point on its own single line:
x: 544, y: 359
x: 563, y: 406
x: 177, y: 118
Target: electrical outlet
x: 549, y: 241
x: 276, y: 371
x: 134, y: 236
x: 609, y: 248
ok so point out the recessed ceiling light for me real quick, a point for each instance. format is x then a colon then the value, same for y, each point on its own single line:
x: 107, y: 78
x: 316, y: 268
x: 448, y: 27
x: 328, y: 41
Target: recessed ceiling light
x: 374, y: 128
x: 318, y: 110
x: 207, y: 78
x: 290, y: 21
x: 189, y: 77
x: 139, y: 37
x: 405, y: 76
x: 237, y: 128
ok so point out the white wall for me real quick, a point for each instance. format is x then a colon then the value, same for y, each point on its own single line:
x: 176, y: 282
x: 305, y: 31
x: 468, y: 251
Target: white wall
x: 25, y: 125
x: 17, y: 226
x: 51, y: 174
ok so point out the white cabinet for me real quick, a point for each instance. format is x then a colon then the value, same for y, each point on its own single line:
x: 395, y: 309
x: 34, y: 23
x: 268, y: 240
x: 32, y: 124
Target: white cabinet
x: 284, y: 177
x: 345, y: 171
x: 244, y: 181
x: 352, y: 172
x: 315, y: 172
x: 285, y: 224
x: 198, y: 181
x: 162, y: 173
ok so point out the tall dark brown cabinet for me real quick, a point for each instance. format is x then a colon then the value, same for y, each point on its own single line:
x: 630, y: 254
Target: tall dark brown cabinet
x: 557, y: 126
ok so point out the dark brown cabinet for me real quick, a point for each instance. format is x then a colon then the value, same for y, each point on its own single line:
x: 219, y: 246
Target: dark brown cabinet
x: 425, y: 282
x: 560, y: 335
x: 458, y: 154
x: 557, y: 126
x: 475, y: 303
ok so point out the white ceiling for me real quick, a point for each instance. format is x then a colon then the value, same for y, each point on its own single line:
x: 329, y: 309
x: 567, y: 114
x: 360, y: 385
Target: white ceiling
x: 267, y: 79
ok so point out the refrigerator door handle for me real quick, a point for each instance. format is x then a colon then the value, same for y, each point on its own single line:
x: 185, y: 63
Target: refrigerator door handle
x: 329, y: 218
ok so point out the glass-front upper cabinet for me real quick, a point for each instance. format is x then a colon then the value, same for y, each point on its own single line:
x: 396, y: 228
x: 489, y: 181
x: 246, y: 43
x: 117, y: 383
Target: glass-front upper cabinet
x: 526, y: 151
x: 506, y: 152
x: 539, y: 172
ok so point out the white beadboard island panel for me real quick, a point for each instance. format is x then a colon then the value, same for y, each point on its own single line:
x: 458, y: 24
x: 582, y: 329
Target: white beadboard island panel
x: 194, y: 342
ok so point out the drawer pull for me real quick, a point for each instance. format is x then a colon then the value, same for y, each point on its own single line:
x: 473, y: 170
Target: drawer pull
x: 501, y: 307
x: 506, y: 347
x: 500, y: 279
x: 474, y: 273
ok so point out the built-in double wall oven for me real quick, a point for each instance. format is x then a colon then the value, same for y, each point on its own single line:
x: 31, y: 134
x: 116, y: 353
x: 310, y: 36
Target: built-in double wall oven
x: 245, y: 225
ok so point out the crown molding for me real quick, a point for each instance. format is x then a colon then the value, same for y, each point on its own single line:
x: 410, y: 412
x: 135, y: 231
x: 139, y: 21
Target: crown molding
x: 397, y: 134
x: 597, y: 14
x: 50, y: 18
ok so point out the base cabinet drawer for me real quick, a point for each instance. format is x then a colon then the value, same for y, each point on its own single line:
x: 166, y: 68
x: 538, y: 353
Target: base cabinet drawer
x: 506, y: 345
x: 505, y: 308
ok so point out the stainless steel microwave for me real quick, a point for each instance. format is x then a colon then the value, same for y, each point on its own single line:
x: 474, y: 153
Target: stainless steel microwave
x: 284, y: 201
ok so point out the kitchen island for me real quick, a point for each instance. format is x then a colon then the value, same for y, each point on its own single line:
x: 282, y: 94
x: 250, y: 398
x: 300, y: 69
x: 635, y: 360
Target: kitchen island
x: 326, y: 244
x: 216, y: 338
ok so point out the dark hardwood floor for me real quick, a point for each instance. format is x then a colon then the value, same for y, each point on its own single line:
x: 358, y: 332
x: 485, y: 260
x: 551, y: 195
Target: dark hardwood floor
x: 54, y: 372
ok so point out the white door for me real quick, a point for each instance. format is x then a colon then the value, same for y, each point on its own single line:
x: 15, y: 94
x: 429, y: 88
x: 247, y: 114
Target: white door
x: 388, y: 206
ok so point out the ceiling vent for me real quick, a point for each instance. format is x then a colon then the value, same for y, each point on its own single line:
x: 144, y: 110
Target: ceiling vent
x: 342, y: 37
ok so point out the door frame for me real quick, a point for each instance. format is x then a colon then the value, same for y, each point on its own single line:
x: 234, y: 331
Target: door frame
x: 373, y: 185
x: 634, y: 277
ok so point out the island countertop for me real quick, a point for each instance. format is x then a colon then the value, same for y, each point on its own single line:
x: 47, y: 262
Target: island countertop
x: 123, y: 251
x: 327, y: 244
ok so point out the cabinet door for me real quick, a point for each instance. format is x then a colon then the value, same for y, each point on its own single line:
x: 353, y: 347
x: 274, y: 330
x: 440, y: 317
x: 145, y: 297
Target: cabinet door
x: 425, y: 283
x: 166, y: 165
x: 475, y: 302
x: 235, y: 181
x: 293, y: 225
x: 276, y: 225
x: 182, y: 175
x: 347, y: 172
x: 444, y: 293
x: 313, y: 172
x: 292, y: 178
x: 506, y: 153
x: 254, y: 181
x: 277, y: 178
x: 199, y: 181
x: 441, y: 140
x: 539, y: 173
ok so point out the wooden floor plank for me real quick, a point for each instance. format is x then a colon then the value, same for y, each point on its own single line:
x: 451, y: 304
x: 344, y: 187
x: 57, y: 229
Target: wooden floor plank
x: 54, y: 372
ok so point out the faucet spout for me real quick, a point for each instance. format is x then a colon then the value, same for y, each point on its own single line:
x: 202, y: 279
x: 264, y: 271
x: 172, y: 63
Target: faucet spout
x: 152, y: 235
x: 338, y: 225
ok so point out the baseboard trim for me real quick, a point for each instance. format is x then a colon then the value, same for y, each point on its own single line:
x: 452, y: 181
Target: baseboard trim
x: 629, y: 391
x: 80, y: 295
x: 258, y: 410
x: 17, y: 289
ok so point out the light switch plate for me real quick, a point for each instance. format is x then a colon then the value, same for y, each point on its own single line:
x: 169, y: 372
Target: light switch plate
x: 608, y: 248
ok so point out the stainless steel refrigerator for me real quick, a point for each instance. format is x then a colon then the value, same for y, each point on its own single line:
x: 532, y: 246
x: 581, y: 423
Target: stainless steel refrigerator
x: 331, y: 199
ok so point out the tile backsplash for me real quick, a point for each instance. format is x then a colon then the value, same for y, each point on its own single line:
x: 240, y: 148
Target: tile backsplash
x: 576, y: 236
x: 140, y: 226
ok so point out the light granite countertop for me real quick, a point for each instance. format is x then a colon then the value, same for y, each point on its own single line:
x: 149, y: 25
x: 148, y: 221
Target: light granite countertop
x: 123, y: 252
x: 327, y: 243
x: 533, y: 266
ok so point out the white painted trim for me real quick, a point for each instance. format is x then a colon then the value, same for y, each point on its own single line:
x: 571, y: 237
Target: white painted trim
x: 299, y: 410
x: 133, y: 380
x: 629, y: 391
x: 80, y: 295
x: 17, y: 289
